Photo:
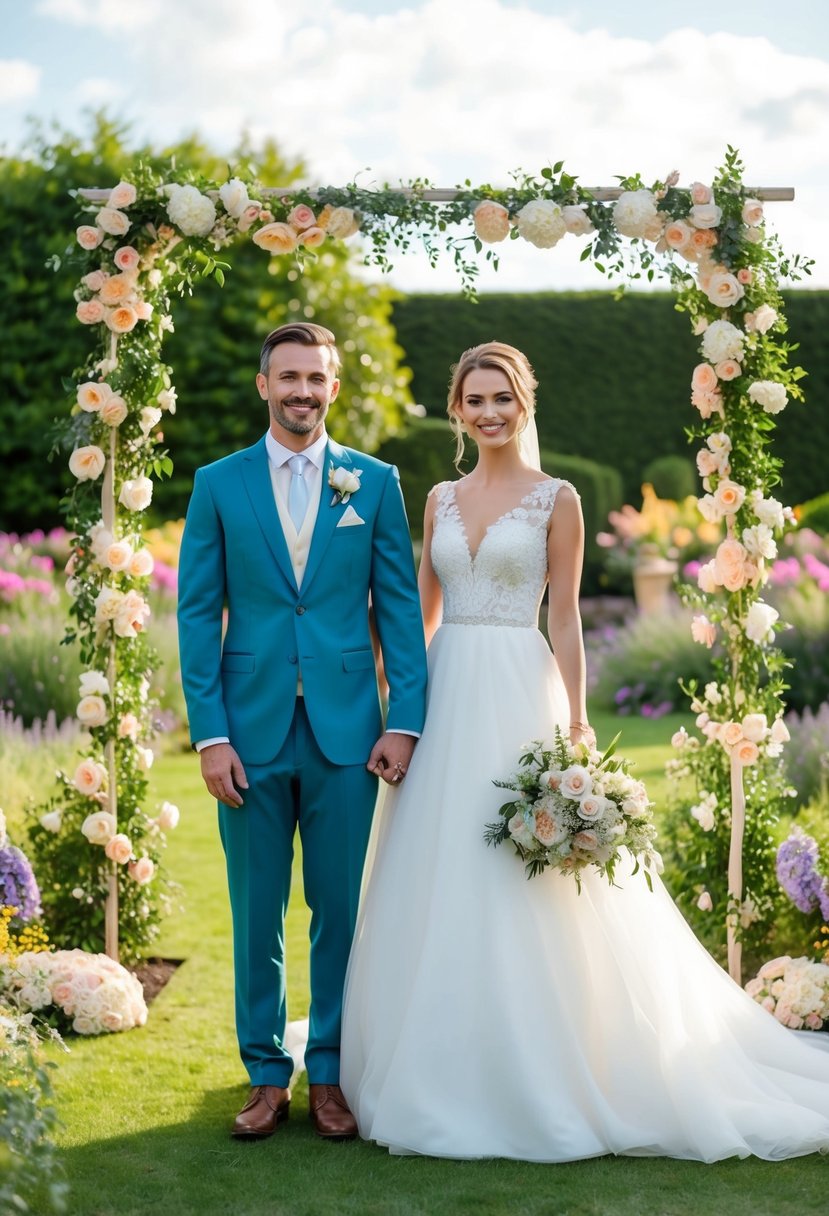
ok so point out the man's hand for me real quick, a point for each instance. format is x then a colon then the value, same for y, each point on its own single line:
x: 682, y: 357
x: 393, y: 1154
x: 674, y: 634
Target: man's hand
x: 220, y: 768
x: 390, y: 757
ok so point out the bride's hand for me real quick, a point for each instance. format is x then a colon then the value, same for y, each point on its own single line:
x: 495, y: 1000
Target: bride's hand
x: 582, y: 732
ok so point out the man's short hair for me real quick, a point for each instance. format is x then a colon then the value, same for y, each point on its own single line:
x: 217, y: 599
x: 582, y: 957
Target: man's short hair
x: 306, y: 334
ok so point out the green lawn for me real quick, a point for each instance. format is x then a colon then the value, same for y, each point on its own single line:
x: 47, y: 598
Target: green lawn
x: 145, y: 1114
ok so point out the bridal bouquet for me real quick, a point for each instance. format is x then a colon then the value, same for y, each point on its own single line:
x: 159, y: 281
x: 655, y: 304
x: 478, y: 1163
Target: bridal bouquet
x: 576, y: 807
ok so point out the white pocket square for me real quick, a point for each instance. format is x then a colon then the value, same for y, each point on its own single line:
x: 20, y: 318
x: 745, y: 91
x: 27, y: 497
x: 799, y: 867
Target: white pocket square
x: 350, y: 519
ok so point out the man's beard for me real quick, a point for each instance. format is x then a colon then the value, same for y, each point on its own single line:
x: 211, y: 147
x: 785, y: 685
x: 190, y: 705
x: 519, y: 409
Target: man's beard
x: 298, y: 426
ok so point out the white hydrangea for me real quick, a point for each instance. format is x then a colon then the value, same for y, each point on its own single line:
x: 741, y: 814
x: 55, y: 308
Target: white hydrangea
x: 191, y: 211
x: 770, y: 394
x: 722, y: 340
x: 541, y: 222
x: 634, y: 212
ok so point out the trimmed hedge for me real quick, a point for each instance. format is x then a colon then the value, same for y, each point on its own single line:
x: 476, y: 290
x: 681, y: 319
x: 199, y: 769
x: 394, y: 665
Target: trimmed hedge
x: 614, y: 375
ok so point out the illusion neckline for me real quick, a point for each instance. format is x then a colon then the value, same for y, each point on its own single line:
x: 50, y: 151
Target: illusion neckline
x: 473, y: 557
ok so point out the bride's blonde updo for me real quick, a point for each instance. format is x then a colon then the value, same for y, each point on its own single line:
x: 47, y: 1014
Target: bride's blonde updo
x: 503, y: 358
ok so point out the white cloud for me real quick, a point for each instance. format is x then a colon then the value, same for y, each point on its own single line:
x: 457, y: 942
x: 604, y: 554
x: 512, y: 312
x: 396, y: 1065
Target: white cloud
x: 19, y: 80
x: 98, y: 91
x: 102, y: 15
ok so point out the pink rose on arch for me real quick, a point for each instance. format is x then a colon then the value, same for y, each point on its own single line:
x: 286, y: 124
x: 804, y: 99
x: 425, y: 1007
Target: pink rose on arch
x: 491, y: 221
x: 119, y: 849
x: 94, y: 280
x: 728, y: 369
x: 707, y: 463
x: 249, y: 216
x: 276, y: 238
x: 121, y: 320
x: 700, y: 193
x: 142, y: 564
x: 126, y: 258
x: 301, y: 217
x: 708, y: 403
x: 677, y: 236
x: 730, y: 734
x: 122, y: 195
x: 704, y: 379
x: 90, y: 312
x: 143, y: 310
x: 723, y: 290
x: 311, y: 238
x: 705, y: 215
x: 87, y: 463
x: 168, y: 817
x: 729, y: 564
x: 745, y: 276
x: 141, y: 871
x: 128, y: 727
x: 746, y: 752
x: 113, y: 221
x: 752, y: 212
x: 92, y: 395
x: 113, y: 411
x: 89, y: 237
x: 703, y: 239
x: 117, y: 289
x: 707, y: 578
x: 703, y: 631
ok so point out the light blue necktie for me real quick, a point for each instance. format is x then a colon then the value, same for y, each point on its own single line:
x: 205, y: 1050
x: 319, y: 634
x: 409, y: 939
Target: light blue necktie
x: 298, y: 491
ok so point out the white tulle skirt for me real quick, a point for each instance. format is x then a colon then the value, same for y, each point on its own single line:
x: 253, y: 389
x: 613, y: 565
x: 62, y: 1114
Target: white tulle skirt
x: 491, y: 1016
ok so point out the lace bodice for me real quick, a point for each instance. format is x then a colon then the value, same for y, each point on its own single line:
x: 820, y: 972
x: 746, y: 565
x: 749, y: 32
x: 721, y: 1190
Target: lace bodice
x: 505, y: 580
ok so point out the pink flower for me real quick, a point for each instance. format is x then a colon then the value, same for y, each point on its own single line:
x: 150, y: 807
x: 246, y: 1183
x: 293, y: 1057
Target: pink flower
x: 701, y: 193
x: 168, y: 816
x: 576, y: 782
x: 276, y: 238
x: 128, y: 727
x: 703, y: 631
x: 708, y: 403
x: 89, y: 237
x: 730, y: 734
x: 491, y: 221
x: 114, y: 411
x: 92, y: 395
x: 301, y: 217
x: 704, y: 379
x: 89, y: 776
x: 728, y: 369
x: 90, y: 312
x: 113, y: 221
x: 588, y: 841
x: 99, y: 827
x: 752, y: 212
x: 705, y: 903
x: 117, y: 289
x: 94, y: 280
x: 119, y: 849
x: 707, y: 578
x: 312, y: 237
x: 729, y: 564
x: 122, y: 195
x: 87, y: 463
x: 745, y: 276
x: 746, y: 752
x: 707, y: 463
x: 143, y: 310
x: 122, y: 320
x: 141, y: 871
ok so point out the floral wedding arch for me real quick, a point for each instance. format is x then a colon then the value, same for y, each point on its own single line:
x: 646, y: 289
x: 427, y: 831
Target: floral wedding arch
x: 147, y: 238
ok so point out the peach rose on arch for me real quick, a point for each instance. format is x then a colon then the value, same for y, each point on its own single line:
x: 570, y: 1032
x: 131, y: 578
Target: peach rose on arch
x: 90, y: 312
x: 491, y: 221
x: 276, y: 238
x: 119, y: 848
x: 122, y: 195
x: 89, y: 237
x: 122, y: 320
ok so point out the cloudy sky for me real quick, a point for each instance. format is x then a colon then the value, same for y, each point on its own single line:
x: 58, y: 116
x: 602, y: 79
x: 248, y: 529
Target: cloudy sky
x: 453, y: 89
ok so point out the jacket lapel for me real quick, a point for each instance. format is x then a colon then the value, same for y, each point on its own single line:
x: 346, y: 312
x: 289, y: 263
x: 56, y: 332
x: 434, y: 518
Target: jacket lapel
x: 257, y: 479
x: 328, y: 516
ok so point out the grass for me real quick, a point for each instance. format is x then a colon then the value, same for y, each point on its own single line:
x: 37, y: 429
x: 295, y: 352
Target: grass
x: 145, y: 1114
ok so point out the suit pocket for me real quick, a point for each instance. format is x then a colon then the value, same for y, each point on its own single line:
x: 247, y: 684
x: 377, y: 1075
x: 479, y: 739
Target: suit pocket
x: 358, y: 660
x: 236, y: 661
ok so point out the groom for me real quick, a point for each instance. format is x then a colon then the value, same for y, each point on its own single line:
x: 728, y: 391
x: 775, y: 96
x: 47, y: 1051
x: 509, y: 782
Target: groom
x: 295, y: 537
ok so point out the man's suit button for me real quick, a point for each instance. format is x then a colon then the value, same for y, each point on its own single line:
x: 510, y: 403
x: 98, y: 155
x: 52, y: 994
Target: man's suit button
x: 291, y: 658
x: 300, y: 608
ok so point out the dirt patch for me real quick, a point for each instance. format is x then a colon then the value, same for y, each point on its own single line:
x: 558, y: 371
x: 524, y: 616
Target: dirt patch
x: 154, y: 973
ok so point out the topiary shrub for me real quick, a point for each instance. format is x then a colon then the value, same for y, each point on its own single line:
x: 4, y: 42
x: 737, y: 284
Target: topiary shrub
x: 672, y: 477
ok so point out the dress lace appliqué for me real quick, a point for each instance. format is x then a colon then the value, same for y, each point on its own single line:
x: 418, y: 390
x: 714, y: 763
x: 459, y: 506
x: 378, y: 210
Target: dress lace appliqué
x: 504, y: 582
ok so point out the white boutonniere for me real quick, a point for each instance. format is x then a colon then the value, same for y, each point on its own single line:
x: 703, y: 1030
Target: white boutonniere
x: 344, y: 483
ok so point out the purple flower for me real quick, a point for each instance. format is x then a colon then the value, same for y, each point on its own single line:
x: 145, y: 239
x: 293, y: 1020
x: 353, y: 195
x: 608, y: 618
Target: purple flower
x: 18, y: 888
x: 797, y: 872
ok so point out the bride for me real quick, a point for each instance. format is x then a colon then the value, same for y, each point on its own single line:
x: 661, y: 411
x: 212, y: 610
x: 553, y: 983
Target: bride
x: 491, y: 1016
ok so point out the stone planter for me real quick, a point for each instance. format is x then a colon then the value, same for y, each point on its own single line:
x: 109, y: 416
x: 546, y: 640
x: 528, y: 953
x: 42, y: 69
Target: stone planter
x: 653, y: 580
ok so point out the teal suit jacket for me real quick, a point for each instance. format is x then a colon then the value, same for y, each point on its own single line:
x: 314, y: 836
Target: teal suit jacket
x: 234, y: 556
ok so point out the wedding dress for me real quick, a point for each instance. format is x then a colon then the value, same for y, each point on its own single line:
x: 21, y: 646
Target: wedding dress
x: 488, y: 1015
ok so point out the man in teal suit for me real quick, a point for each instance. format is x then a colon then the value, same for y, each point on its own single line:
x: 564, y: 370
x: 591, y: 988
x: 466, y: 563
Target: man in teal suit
x: 296, y: 538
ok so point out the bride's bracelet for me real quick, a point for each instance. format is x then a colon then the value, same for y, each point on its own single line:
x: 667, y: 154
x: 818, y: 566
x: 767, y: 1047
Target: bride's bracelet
x: 584, y: 728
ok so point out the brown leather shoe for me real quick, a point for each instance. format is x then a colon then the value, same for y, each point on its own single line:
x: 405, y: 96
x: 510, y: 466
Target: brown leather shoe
x: 267, y: 1106
x: 330, y: 1114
